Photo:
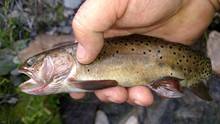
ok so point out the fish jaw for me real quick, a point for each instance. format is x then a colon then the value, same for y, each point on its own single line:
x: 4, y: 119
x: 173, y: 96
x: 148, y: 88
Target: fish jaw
x: 32, y: 87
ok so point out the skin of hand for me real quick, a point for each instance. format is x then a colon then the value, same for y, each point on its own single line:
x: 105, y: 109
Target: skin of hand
x: 174, y: 20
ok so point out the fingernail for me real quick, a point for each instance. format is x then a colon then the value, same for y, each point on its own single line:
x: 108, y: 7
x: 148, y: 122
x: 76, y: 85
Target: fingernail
x: 81, y: 52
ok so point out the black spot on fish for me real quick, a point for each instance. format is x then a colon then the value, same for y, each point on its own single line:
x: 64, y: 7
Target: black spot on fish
x: 187, y: 60
x: 149, y: 50
x: 158, y: 51
x: 183, y: 56
x: 144, y: 52
x: 190, y: 56
x: 171, y: 73
x: 146, y: 44
x: 180, y: 60
x: 177, y: 63
x: 117, y: 51
x: 88, y: 70
x: 132, y: 49
x: 174, y: 53
x: 170, y: 47
x: 161, y: 46
x: 126, y: 44
x: 161, y: 57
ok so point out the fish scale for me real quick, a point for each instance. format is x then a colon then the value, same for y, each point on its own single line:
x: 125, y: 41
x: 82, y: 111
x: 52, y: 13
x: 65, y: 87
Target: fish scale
x: 169, y: 58
x: 127, y: 61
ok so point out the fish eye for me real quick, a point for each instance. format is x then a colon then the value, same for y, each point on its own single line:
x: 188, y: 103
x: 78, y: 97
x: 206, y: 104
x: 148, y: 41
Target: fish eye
x: 31, y: 61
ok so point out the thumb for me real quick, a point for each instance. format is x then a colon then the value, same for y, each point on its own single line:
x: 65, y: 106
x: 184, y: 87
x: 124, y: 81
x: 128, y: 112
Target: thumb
x: 92, y: 19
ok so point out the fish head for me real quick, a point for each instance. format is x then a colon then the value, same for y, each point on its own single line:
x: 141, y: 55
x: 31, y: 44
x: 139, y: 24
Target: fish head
x: 46, y: 71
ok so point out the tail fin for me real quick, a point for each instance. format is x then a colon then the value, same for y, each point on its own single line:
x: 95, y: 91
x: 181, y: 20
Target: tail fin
x: 201, y: 91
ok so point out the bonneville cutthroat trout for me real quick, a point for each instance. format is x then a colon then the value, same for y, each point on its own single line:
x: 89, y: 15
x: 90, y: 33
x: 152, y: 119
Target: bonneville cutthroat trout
x: 164, y: 67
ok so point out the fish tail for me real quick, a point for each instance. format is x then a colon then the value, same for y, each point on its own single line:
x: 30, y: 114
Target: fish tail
x: 201, y: 90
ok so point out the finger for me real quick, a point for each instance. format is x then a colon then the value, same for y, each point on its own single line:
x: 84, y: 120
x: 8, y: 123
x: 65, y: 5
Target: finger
x: 89, y: 23
x: 77, y: 95
x: 140, y: 95
x: 115, y: 94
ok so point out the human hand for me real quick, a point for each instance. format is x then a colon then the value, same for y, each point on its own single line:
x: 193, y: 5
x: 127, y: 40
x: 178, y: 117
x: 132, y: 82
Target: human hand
x: 178, y: 21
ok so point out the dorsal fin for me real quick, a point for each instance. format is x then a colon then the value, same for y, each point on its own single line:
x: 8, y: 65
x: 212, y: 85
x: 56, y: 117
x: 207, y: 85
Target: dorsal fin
x: 63, y: 44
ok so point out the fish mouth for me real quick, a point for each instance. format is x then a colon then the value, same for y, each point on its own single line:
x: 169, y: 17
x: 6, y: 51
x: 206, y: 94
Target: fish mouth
x: 31, y: 86
x: 26, y: 71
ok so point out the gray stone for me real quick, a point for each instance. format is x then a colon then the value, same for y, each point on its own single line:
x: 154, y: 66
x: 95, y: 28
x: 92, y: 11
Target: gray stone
x: 101, y: 118
x: 132, y: 120
x: 213, y: 46
x: 12, y: 100
x: 73, y: 4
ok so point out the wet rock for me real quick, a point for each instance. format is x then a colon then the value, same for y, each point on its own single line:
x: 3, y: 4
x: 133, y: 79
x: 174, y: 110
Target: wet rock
x: 213, y: 46
x: 115, y: 112
x: 186, y: 113
x: 132, y: 120
x: 72, y: 4
x: 8, y: 99
x: 215, y: 88
x: 101, y: 118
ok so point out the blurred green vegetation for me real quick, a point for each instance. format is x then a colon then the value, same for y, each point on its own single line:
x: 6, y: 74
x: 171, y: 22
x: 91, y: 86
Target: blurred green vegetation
x: 17, y: 107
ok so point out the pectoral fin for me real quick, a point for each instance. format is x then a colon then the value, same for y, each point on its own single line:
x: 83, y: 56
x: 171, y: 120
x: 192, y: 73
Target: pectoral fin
x: 167, y: 87
x: 201, y: 91
x: 93, y: 84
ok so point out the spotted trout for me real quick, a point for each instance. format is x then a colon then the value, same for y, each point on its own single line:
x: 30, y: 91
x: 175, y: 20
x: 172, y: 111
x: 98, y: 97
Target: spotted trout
x: 164, y: 67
